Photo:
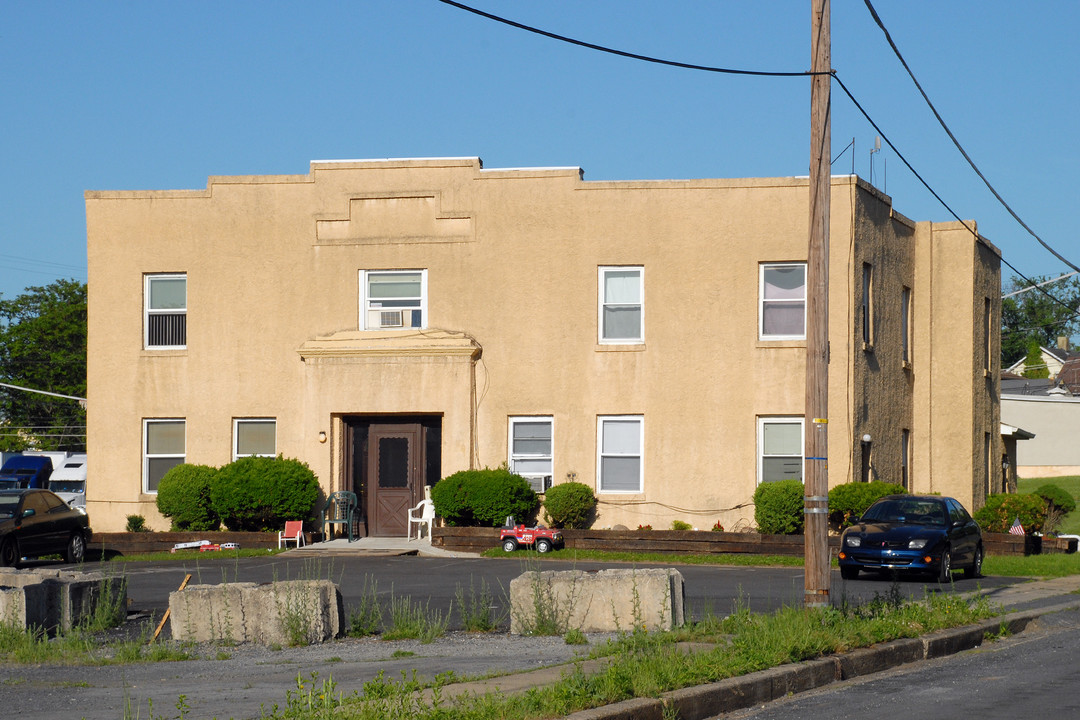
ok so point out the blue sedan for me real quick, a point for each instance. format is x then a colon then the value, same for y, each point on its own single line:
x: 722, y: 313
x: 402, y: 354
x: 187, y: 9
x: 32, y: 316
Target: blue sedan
x: 913, y: 533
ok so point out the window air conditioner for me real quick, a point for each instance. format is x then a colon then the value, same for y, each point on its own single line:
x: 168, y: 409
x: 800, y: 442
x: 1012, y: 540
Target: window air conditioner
x: 390, y: 318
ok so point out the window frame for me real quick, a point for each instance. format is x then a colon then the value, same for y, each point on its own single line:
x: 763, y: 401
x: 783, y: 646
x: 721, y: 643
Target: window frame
x: 147, y: 456
x: 547, y: 479
x: 236, y: 435
x: 905, y: 458
x: 148, y: 279
x: 364, y: 297
x: 601, y: 455
x: 763, y: 301
x: 602, y: 304
x: 764, y: 420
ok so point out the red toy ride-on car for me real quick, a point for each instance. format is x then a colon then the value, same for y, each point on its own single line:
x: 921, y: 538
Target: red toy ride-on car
x: 512, y: 536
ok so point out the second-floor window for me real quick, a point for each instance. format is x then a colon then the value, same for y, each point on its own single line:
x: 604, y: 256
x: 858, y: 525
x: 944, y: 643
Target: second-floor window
x: 165, y: 312
x: 782, y: 301
x: 621, y: 305
x: 393, y: 299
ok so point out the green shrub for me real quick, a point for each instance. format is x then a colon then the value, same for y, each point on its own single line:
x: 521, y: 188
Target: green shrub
x: 136, y: 523
x: 850, y: 500
x: 260, y: 493
x: 778, y: 507
x: 184, y: 497
x: 569, y: 505
x: 1000, y: 510
x: 681, y: 525
x: 484, y: 497
x: 1057, y: 497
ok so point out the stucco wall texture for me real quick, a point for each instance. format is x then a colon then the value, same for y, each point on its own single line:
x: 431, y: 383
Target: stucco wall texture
x: 275, y: 328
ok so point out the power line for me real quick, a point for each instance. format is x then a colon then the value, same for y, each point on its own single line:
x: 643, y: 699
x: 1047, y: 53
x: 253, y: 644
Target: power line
x: 623, y: 53
x: 956, y: 142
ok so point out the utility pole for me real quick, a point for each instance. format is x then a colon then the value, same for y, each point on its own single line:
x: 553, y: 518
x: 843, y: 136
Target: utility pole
x: 816, y: 481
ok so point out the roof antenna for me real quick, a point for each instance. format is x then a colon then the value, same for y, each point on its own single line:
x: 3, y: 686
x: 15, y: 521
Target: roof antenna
x: 885, y: 167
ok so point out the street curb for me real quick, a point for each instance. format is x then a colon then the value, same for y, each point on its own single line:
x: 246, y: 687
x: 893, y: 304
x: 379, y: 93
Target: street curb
x: 706, y: 701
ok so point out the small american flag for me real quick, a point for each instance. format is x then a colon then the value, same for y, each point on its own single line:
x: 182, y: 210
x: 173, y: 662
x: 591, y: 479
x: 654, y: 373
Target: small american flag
x: 1017, y: 528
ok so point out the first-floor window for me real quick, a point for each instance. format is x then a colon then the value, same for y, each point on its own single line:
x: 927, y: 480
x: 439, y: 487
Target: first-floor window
x: 620, y: 439
x: 254, y: 436
x: 164, y: 444
x: 530, y: 450
x: 780, y: 448
x: 905, y: 459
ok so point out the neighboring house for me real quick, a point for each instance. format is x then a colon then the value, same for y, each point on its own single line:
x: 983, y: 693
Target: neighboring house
x: 391, y: 322
x: 1053, y: 416
x: 1052, y: 358
x: 1069, y: 375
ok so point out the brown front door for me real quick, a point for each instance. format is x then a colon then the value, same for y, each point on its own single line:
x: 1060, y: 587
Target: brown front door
x: 395, y: 476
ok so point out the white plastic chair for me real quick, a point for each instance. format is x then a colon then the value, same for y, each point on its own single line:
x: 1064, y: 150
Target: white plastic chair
x: 293, y: 532
x: 422, y: 514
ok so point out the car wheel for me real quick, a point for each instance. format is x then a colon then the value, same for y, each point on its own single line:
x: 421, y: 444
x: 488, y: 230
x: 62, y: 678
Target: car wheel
x: 543, y: 545
x: 76, y: 549
x: 975, y: 570
x: 509, y: 544
x: 9, y: 553
x: 849, y: 572
x: 945, y: 569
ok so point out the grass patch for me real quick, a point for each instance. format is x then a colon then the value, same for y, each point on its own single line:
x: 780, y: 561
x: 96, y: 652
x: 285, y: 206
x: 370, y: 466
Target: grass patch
x: 739, y: 559
x: 1070, y: 524
x: 1043, y: 566
x: 413, y: 620
x: 647, y: 664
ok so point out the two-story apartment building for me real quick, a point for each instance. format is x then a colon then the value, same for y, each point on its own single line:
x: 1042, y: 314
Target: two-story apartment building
x: 391, y: 322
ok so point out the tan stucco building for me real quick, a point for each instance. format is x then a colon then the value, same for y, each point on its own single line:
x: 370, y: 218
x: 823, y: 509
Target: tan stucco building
x: 391, y: 322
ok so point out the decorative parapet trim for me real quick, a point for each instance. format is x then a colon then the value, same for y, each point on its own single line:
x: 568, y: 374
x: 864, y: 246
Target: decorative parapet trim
x: 391, y: 343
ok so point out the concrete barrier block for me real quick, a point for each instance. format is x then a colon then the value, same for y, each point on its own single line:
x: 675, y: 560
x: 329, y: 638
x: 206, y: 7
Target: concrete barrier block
x: 606, y: 601
x: 13, y: 606
x: 58, y: 600
x: 281, y: 613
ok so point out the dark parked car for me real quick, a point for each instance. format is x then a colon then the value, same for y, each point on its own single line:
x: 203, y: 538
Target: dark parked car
x: 914, y: 533
x: 34, y: 523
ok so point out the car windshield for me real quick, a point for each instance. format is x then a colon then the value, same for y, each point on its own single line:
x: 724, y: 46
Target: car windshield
x: 8, y: 505
x: 909, y: 512
x: 75, y: 486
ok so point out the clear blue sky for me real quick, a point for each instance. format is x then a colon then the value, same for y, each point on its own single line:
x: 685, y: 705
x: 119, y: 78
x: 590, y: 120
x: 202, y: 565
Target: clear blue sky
x: 151, y: 95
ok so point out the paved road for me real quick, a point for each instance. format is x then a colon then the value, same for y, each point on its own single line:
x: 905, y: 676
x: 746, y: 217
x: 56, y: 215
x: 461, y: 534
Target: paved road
x: 708, y: 589
x: 1031, y: 675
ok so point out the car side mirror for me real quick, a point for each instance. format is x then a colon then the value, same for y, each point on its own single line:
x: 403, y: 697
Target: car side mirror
x: 28, y: 512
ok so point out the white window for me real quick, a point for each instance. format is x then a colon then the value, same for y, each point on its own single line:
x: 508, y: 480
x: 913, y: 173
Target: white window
x: 165, y: 312
x: 782, y: 298
x: 620, y: 439
x: 393, y: 299
x: 780, y: 448
x: 620, y: 319
x: 164, y: 445
x: 254, y: 436
x: 530, y: 450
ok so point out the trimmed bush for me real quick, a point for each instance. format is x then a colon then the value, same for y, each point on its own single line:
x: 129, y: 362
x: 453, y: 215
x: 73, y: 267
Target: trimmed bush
x: 1000, y: 510
x: 569, y: 505
x: 258, y: 493
x: 1057, y: 497
x: 184, y: 497
x: 778, y: 507
x: 850, y: 500
x: 484, y: 497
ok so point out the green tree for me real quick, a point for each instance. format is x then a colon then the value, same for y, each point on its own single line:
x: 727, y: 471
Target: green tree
x: 1032, y: 317
x: 43, y: 347
x: 1034, y: 365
